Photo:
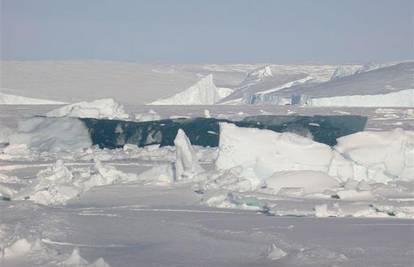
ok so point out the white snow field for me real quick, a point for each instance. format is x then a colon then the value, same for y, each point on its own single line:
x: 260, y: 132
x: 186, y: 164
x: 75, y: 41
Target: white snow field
x: 260, y: 198
x: 6, y: 99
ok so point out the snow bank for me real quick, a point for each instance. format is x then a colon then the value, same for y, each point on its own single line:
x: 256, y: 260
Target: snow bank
x: 101, y: 108
x: 403, y: 98
x: 204, y: 92
x: 309, y: 181
x: 186, y: 164
x: 6, y: 99
x: 263, y: 152
x: 380, y: 156
x: 51, y: 134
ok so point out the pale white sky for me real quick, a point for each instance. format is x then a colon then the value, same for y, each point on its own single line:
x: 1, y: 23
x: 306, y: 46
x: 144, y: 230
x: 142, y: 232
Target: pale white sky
x: 210, y: 31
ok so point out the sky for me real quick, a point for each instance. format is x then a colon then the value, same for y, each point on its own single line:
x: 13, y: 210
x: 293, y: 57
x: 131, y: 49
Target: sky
x: 209, y: 31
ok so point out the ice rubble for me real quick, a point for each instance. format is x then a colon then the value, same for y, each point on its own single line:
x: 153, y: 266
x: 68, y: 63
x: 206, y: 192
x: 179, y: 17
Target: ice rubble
x: 7, y: 99
x: 204, y: 92
x: 50, y: 134
x: 57, y: 184
x: 403, y: 98
x: 365, y: 167
x: 101, y: 108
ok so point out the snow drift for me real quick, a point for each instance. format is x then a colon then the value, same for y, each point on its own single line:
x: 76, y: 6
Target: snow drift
x: 101, y: 108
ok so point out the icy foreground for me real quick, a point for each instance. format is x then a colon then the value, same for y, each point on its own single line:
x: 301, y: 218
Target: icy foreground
x: 260, y: 199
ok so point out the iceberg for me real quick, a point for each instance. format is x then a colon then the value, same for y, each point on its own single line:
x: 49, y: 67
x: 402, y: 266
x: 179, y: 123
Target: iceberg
x: 204, y: 92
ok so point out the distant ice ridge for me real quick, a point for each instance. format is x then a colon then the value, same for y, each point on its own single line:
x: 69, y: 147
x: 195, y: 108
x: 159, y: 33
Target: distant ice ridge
x: 6, y: 99
x: 378, y: 85
x: 102, y: 108
x: 204, y: 92
x: 403, y: 98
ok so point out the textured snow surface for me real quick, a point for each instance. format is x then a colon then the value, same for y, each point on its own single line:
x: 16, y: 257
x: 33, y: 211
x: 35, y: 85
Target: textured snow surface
x: 204, y: 92
x: 101, y: 108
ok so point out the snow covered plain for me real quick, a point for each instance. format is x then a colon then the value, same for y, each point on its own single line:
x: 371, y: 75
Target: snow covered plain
x: 259, y: 199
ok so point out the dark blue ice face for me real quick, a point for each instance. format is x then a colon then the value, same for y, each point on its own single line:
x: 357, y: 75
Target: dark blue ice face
x: 205, y: 131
